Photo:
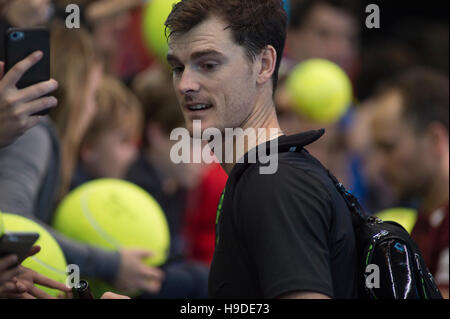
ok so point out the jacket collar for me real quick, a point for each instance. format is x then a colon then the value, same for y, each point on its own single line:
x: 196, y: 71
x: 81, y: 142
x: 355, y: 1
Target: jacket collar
x: 292, y: 143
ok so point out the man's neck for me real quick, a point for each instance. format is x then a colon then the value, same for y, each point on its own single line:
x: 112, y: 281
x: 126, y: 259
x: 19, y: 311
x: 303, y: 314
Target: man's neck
x: 264, y: 122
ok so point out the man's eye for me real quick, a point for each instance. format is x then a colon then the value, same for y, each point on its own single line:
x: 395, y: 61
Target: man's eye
x: 177, y: 69
x: 386, y: 147
x: 209, y: 66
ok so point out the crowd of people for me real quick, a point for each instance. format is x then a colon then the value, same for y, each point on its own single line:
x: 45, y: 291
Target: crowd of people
x: 113, y: 108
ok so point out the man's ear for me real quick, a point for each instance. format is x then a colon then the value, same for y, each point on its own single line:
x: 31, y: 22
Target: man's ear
x: 438, y: 136
x: 268, y: 63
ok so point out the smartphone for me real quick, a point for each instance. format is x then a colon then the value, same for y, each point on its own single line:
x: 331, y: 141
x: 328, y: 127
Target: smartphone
x: 18, y: 244
x: 20, y: 43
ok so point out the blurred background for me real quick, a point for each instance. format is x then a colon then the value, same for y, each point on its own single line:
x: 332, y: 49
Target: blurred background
x: 380, y: 93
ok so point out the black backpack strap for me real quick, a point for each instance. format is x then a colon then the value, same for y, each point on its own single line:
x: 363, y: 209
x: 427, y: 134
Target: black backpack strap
x: 358, y: 214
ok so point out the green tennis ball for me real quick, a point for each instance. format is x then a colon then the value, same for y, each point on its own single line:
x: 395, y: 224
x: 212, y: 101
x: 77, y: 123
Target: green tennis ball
x: 406, y: 217
x: 114, y: 214
x: 50, y: 260
x: 320, y: 90
x: 154, y: 17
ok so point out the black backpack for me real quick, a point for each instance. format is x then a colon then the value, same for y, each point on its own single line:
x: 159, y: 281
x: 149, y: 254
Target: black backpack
x: 399, y: 265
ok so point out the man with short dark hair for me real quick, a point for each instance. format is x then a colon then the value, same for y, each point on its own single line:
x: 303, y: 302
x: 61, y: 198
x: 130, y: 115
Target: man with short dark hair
x: 327, y: 29
x: 282, y: 235
x: 410, y: 136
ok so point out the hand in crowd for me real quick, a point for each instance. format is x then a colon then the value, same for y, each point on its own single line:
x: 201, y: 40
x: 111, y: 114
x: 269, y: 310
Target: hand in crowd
x: 8, y: 270
x: 17, y: 106
x: 20, y: 282
x: 134, y: 275
x: 110, y: 295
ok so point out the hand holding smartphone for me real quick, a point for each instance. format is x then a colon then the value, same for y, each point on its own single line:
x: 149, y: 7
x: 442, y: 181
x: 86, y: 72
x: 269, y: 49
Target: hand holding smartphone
x: 18, y: 244
x: 20, y: 43
x: 20, y: 98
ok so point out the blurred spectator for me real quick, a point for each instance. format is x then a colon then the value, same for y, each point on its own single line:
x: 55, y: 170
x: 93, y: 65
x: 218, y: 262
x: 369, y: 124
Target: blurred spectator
x: 200, y: 215
x: 391, y: 50
x: 393, y: 54
x: 109, y: 22
x: 111, y: 141
x: 78, y: 69
x: 327, y: 29
x: 412, y: 41
x: 26, y: 13
x: 376, y: 195
x: 428, y: 38
x: 411, y: 141
x: 22, y: 14
x: 37, y: 169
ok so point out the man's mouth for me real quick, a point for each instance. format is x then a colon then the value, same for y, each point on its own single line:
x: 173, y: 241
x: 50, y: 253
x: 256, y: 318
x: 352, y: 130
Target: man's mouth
x: 198, y: 107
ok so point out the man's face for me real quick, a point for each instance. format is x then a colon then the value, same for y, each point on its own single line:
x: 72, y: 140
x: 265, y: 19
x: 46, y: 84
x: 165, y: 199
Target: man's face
x: 401, y: 154
x: 327, y: 33
x: 214, y: 79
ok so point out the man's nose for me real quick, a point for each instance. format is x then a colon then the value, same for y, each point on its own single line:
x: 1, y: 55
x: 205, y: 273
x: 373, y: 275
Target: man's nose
x: 188, y: 82
x: 380, y: 162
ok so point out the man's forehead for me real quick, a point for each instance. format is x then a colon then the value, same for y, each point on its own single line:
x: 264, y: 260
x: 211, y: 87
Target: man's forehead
x: 389, y: 104
x: 388, y: 110
x: 211, y: 34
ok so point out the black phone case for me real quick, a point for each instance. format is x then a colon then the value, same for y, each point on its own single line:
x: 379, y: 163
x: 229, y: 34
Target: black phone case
x: 20, y: 43
x: 18, y: 244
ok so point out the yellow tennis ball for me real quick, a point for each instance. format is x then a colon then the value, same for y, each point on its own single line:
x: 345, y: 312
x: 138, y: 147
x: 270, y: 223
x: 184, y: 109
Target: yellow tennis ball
x: 50, y: 260
x: 114, y: 214
x: 320, y: 90
x: 154, y: 17
x: 406, y: 217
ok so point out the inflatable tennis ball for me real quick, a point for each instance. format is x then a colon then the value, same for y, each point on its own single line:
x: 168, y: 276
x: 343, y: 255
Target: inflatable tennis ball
x: 404, y: 216
x: 50, y: 260
x: 320, y: 90
x: 154, y: 16
x: 114, y: 214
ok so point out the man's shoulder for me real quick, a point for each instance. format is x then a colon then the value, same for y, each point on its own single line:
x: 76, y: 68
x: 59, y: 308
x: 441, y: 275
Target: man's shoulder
x: 300, y: 166
x: 288, y: 154
x: 298, y: 175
